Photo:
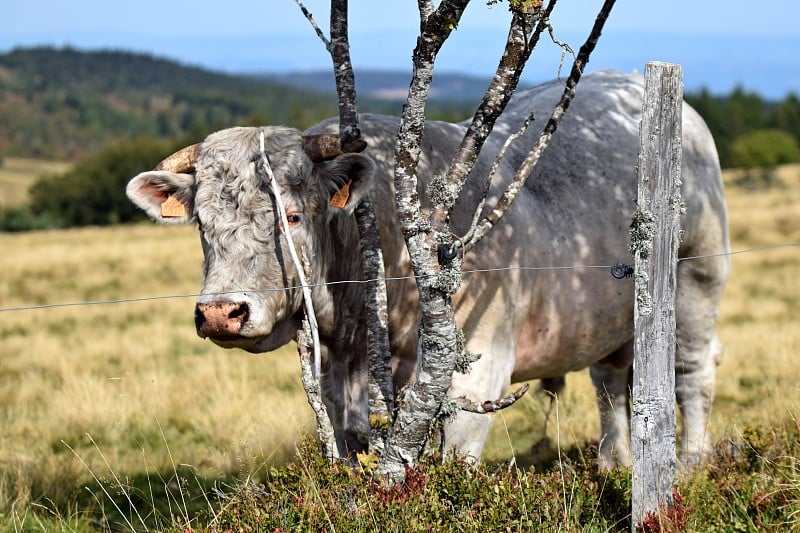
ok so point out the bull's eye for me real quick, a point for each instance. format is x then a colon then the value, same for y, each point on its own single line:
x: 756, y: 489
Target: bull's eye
x: 293, y: 219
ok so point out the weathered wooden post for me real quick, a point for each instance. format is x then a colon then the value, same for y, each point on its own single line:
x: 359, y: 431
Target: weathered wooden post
x: 654, y: 245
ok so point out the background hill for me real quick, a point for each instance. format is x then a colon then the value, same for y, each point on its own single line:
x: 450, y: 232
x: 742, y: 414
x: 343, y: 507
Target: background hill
x: 61, y: 103
x: 114, y: 114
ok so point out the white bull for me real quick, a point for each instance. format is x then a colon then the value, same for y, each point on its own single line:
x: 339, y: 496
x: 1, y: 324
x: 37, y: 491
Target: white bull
x: 526, y: 324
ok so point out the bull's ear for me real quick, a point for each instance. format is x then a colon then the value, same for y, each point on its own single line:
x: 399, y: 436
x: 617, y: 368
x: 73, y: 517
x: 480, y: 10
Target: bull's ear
x: 348, y: 179
x: 165, y: 196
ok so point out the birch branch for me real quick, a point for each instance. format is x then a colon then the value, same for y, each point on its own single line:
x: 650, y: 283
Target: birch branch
x: 349, y: 130
x: 490, y: 406
x: 543, y: 141
x: 436, y: 28
x: 381, y: 388
x: 325, y: 433
x: 381, y: 393
x: 519, y: 45
x: 425, y: 11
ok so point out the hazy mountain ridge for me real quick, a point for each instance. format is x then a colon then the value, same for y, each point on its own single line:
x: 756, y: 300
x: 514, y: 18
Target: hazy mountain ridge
x: 387, y: 85
x: 63, y: 103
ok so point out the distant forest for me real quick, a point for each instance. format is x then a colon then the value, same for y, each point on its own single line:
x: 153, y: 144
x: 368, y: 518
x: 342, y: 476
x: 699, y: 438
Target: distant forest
x: 117, y: 113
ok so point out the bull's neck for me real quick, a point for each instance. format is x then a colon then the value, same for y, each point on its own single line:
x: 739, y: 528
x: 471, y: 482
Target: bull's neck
x: 339, y: 306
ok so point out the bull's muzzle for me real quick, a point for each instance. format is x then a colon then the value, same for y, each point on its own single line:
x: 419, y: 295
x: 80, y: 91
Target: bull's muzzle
x: 220, y: 319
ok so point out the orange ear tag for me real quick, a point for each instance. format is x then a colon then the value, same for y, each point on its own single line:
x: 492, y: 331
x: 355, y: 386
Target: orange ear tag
x: 172, y: 208
x: 340, y: 197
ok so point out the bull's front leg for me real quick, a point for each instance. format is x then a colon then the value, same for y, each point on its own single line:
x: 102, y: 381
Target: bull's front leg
x: 346, y: 396
x: 465, y: 433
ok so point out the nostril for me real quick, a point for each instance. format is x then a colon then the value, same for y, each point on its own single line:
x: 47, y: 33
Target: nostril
x: 199, y: 317
x: 240, y: 313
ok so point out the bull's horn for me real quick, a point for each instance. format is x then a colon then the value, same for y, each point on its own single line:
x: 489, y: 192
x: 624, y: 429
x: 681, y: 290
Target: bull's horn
x: 327, y: 146
x: 321, y: 147
x: 182, y: 161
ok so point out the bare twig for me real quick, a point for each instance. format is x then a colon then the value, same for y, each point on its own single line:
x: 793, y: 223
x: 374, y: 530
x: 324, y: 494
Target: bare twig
x: 490, y: 406
x: 565, y: 48
x: 307, y: 301
x: 313, y: 23
x: 492, y: 172
x: 543, y: 141
x: 310, y: 367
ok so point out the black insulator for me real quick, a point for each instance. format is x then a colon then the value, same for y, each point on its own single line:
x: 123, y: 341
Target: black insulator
x: 446, y: 252
x: 621, y: 270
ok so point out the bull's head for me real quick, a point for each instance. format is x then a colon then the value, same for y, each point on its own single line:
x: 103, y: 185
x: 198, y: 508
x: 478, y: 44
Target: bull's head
x: 220, y: 184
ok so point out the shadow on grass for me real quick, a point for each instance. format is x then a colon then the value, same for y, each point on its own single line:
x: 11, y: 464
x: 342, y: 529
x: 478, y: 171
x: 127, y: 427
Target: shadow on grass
x: 153, y: 501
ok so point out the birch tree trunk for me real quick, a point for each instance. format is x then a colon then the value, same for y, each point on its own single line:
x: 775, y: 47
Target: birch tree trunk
x: 426, y: 400
x: 381, y: 394
x: 421, y: 403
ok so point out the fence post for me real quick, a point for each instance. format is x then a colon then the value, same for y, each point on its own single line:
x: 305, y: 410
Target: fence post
x: 654, y: 244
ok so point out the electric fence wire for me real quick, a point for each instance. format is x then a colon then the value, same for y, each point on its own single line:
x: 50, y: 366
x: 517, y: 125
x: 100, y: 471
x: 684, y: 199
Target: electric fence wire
x: 388, y: 279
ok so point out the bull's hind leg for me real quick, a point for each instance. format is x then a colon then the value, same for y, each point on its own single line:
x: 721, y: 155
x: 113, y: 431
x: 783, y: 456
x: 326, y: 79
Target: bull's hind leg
x: 611, y: 380
x: 698, y: 349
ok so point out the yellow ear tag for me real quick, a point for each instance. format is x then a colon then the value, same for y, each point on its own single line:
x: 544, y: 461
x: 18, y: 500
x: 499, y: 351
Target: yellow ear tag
x: 340, y: 197
x: 172, y: 208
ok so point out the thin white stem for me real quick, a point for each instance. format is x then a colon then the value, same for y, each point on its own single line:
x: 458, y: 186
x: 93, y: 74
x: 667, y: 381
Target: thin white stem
x: 469, y: 239
x: 309, y: 306
x: 313, y: 23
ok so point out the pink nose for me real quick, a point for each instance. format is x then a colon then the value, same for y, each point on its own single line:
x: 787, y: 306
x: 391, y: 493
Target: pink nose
x: 220, y: 319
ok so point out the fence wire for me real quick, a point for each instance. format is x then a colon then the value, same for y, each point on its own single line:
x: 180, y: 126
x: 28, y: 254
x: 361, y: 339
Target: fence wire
x: 365, y: 281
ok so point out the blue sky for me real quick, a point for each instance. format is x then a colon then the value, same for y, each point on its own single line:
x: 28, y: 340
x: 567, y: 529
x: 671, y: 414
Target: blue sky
x: 721, y: 43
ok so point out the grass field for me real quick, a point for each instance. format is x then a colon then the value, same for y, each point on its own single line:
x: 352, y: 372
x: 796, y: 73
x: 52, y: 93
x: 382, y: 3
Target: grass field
x: 114, y: 395
x: 17, y: 174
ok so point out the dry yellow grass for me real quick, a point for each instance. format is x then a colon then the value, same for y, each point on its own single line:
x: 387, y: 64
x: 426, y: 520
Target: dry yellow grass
x: 18, y: 173
x: 135, y: 378
x: 132, y: 376
x: 759, y: 378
